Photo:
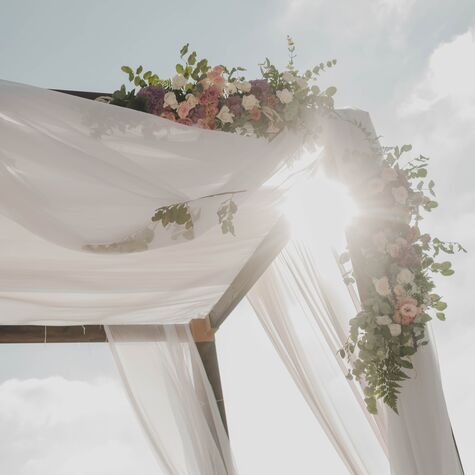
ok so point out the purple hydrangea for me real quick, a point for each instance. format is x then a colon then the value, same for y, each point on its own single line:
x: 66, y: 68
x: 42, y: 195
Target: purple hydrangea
x: 234, y: 104
x: 154, y: 97
x: 261, y: 88
x: 198, y: 112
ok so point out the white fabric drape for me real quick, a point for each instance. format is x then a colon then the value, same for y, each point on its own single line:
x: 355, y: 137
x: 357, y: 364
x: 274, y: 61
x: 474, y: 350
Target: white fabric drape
x: 166, y: 383
x: 420, y: 437
x: 75, y: 172
x: 296, y: 314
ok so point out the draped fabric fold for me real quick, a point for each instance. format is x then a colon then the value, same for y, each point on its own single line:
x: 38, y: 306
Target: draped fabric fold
x: 79, y: 183
x: 421, y: 441
x: 170, y: 393
x: 294, y: 311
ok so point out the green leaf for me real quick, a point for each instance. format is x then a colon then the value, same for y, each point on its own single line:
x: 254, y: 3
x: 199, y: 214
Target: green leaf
x: 127, y: 69
x: 139, y: 69
x: 440, y: 306
x: 406, y: 364
x: 371, y: 405
x: 448, y: 272
x: 331, y: 91
x: 184, y: 50
x: 192, y: 58
x: 440, y: 315
x: 179, y: 69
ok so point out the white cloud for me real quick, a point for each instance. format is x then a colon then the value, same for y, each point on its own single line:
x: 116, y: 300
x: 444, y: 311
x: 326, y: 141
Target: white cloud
x: 54, y: 426
x: 344, y: 20
x: 450, y: 76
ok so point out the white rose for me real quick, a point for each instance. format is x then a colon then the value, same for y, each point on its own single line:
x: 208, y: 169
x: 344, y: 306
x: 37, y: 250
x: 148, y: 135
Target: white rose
x: 405, y: 276
x: 249, y: 102
x: 302, y: 83
x: 230, y: 88
x: 395, y: 329
x: 178, y: 81
x: 225, y: 115
x: 192, y: 100
x: 400, y: 194
x: 382, y: 286
x: 243, y: 86
x: 384, y: 320
x: 170, y: 100
x: 389, y: 174
x: 288, y: 76
x: 285, y: 96
x: 399, y: 291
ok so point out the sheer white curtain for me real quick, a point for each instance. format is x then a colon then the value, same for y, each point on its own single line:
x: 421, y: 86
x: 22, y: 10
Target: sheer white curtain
x: 77, y: 176
x: 169, y: 390
x: 301, y: 303
x: 420, y: 438
x: 295, y: 312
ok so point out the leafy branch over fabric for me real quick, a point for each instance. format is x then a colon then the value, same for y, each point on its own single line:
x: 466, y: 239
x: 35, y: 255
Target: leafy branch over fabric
x: 226, y: 215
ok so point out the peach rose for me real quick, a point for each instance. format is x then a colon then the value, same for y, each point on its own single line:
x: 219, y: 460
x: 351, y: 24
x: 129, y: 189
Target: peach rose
x: 183, y: 110
x: 406, y: 311
x: 203, y: 124
x: 215, y: 78
x: 255, y: 114
x: 168, y: 115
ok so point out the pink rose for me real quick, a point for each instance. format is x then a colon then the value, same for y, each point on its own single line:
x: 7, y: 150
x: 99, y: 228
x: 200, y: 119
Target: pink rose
x: 168, y: 115
x: 215, y: 77
x: 272, y: 102
x: 406, y: 310
x: 209, y: 96
x: 255, y: 114
x: 202, y: 124
x: 183, y: 110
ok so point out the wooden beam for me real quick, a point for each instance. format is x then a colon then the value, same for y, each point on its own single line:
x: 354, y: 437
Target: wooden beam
x: 52, y: 334
x: 209, y: 357
x: 260, y: 260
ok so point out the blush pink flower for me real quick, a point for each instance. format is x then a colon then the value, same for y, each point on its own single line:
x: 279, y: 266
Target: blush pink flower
x: 406, y: 310
x: 183, y: 110
x: 209, y: 96
x: 215, y: 77
x: 185, y: 121
x: 168, y: 115
x: 202, y: 124
x: 272, y: 101
x: 255, y: 114
x: 408, y: 257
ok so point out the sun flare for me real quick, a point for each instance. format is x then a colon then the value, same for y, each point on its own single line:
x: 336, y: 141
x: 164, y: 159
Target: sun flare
x: 320, y: 209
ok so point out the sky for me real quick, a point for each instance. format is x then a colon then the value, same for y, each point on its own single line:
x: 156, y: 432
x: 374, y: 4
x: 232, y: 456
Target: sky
x: 410, y: 63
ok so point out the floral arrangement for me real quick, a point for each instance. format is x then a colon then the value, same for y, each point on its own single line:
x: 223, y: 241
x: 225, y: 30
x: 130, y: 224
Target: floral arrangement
x: 393, y: 262
x: 220, y: 98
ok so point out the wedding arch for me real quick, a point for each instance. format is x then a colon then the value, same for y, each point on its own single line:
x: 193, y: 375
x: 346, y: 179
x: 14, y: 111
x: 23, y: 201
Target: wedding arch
x: 142, y: 231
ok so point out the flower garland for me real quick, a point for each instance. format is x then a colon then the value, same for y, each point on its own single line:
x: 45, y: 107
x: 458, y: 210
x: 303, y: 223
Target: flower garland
x: 393, y: 262
x: 220, y: 98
